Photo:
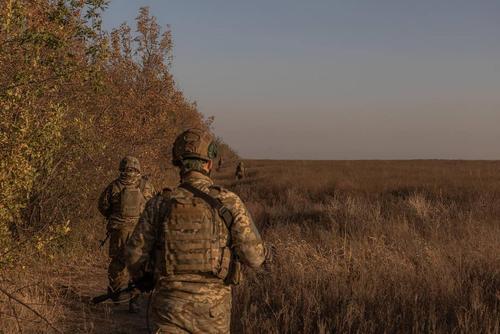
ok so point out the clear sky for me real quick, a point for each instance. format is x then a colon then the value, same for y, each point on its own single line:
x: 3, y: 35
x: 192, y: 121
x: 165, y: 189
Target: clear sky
x: 358, y: 79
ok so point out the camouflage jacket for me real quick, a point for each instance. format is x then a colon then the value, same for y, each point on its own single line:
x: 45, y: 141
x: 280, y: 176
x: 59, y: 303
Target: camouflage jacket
x: 142, y: 245
x: 109, y: 203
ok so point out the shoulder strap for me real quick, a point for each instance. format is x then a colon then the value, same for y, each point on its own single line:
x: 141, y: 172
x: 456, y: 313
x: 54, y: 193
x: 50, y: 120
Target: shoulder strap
x: 215, y: 203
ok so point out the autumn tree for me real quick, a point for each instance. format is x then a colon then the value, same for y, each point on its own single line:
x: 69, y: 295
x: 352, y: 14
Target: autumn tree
x: 143, y: 109
x: 73, y: 101
x: 46, y: 55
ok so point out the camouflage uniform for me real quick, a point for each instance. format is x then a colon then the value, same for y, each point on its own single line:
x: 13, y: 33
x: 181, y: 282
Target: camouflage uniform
x: 192, y: 294
x: 119, y: 226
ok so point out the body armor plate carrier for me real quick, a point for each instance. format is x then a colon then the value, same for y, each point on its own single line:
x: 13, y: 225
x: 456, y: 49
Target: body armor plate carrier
x: 132, y: 200
x: 196, y: 237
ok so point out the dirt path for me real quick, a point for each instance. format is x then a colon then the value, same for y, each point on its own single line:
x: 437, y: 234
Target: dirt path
x: 84, y: 317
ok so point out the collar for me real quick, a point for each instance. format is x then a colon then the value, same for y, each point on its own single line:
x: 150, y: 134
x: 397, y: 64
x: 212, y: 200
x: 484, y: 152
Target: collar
x: 194, y: 177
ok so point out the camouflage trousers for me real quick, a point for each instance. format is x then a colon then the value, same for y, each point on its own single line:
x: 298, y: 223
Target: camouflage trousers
x: 208, y: 313
x: 117, y: 270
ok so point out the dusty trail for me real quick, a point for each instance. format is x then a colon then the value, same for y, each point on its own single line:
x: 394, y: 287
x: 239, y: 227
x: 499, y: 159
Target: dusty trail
x: 84, y: 317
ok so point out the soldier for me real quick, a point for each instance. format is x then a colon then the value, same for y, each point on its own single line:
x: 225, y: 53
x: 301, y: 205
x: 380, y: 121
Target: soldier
x: 219, y: 165
x: 240, y: 171
x: 122, y: 203
x: 198, y: 234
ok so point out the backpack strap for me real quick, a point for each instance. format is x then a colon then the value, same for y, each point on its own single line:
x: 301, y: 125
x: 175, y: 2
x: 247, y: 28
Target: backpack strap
x: 215, y: 203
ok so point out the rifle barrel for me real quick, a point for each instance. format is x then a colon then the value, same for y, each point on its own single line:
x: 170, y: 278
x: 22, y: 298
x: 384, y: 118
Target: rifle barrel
x: 106, y: 296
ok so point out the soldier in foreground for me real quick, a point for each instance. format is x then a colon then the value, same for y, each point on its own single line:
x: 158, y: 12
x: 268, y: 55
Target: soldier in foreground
x: 240, y: 170
x: 197, y: 234
x: 122, y: 203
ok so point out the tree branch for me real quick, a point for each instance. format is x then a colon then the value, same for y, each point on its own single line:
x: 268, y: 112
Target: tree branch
x: 31, y: 309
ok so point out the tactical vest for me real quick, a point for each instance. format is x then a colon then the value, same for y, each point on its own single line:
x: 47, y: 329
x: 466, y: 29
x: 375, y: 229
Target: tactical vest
x: 132, y: 200
x: 195, y: 237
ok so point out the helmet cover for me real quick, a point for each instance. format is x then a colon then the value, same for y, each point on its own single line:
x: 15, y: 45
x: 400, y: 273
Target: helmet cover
x: 130, y: 162
x: 194, y: 144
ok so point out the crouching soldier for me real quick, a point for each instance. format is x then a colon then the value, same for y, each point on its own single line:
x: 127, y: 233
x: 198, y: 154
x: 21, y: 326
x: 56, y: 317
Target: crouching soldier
x: 198, y: 235
x: 122, y: 202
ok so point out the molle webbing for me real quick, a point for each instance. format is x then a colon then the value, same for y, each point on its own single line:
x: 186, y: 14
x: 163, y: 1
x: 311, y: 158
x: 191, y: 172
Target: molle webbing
x: 215, y: 203
x: 196, y: 240
x: 229, y: 270
x: 189, y: 238
x: 132, y: 200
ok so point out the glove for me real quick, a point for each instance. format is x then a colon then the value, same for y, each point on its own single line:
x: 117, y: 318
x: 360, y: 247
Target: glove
x: 145, y: 283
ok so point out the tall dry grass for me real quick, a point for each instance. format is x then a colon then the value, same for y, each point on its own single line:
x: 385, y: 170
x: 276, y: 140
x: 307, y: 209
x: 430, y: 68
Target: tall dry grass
x: 374, y: 247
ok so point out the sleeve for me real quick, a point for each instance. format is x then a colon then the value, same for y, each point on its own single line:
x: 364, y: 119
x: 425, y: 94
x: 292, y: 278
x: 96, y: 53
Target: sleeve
x: 140, y: 245
x: 104, y: 203
x: 246, y: 240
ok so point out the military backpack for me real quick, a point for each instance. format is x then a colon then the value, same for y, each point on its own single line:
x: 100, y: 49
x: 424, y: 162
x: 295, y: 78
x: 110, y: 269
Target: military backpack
x: 197, y: 234
x: 132, y: 200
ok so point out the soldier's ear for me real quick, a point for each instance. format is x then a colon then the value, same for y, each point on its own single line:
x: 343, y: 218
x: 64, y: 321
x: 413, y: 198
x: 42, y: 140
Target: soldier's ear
x: 210, y: 163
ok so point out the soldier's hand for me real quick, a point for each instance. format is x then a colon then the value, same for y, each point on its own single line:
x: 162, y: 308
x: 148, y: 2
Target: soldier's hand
x: 145, y: 283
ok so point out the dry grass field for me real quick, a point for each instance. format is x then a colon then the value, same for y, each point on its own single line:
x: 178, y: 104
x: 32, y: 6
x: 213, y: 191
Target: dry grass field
x: 374, y: 247
x: 360, y: 247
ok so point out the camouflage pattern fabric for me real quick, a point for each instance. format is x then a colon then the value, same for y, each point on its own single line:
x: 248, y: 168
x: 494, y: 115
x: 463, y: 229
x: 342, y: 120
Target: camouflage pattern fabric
x: 117, y: 273
x: 195, y: 236
x: 193, y: 144
x: 209, y: 311
x: 119, y: 228
x: 110, y: 203
x: 130, y: 162
x: 191, y: 303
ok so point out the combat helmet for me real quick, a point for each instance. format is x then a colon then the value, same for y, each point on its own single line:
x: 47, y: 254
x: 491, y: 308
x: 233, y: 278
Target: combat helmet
x: 130, y: 162
x: 194, y: 144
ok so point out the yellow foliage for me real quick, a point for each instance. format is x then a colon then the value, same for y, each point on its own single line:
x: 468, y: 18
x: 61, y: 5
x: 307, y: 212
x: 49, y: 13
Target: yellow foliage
x: 73, y: 100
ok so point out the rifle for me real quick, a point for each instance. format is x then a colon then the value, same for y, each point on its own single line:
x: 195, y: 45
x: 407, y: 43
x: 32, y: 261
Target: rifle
x: 102, y: 242
x: 111, y: 295
x: 145, y: 284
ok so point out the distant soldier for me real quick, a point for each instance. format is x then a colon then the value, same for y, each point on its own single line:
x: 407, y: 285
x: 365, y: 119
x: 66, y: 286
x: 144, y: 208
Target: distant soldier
x: 198, y: 234
x: 219, y: 165
x: 240, y: 170
x: 122, y: 202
